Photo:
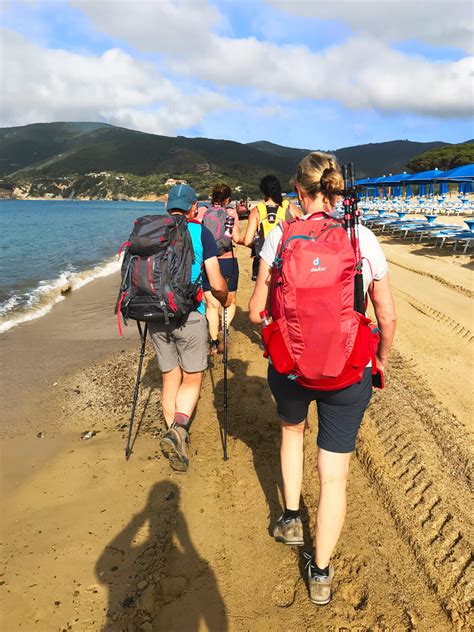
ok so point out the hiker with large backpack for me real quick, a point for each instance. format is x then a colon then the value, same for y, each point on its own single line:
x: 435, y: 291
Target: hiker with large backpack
x: 265, y: 216
x: 162, y: 287
x: 322, y: 347
x: 223, y: 222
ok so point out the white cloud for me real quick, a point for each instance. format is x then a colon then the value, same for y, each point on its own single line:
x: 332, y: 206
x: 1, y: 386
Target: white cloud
x: 364, y: 72
x: 437, y: 22
x: 361, y: 73
x: 49, y: 85
x: 177, y: 26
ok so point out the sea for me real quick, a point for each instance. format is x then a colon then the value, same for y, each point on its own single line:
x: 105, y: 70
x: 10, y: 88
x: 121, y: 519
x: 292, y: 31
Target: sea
x: 49, y: 248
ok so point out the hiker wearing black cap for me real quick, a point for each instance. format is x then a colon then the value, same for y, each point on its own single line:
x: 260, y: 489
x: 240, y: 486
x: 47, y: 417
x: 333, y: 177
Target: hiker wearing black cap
x: 182, y: 350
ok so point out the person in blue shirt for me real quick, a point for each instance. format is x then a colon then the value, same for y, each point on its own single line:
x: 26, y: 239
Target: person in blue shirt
x: 182, y: 351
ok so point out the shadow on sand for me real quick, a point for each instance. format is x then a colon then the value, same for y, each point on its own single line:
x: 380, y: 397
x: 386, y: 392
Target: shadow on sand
x: 156, y: 579
x: 253, y: 419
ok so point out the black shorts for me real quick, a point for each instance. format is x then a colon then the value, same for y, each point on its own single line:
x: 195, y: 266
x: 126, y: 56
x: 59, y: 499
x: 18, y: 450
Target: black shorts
x: 340, y: 412
x: 229, y: 270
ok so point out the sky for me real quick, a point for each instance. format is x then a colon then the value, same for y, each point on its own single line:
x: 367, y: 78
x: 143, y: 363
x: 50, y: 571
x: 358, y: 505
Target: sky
x: 313, y: 74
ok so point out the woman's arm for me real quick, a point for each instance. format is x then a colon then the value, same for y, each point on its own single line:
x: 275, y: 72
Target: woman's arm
x: 252, y: 227
x: 236, y: 233
x: 260, y: 298
x: 384, y: 307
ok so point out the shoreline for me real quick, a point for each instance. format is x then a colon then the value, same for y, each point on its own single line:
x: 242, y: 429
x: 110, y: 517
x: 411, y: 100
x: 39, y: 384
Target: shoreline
x: 146, y: 198
x: 76, y: 332
x: 53, y: 291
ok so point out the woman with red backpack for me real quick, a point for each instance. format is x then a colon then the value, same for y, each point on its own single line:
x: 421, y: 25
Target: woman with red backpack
x: 321, y: 349
x: 223, y: 222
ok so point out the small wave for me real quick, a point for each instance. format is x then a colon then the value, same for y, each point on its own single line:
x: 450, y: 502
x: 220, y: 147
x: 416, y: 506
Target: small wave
x: 41, y: 300
x: 9, y: 304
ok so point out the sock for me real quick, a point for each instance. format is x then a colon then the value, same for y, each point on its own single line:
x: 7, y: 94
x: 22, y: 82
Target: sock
x: 181, y: 420
x: 290, y: 514
x: 315, y: 570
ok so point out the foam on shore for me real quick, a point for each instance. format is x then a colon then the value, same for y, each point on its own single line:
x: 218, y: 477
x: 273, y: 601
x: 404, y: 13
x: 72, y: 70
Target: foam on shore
x: 19, y: 309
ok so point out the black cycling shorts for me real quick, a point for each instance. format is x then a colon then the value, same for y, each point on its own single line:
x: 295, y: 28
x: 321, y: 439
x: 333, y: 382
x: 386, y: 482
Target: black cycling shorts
x: 340, y: 412
x: 230, y: 271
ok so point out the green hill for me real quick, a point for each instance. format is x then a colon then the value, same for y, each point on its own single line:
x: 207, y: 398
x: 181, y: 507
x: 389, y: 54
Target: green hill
x: 373, y: 159
x: 66, y: 159
x: 446, y: 157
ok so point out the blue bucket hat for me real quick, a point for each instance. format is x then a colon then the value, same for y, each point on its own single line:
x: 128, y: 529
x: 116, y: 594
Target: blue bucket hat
x: 182, y: 197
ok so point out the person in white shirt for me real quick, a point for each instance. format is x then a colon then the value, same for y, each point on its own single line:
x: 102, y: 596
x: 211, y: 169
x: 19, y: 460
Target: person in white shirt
x: 340, y: 412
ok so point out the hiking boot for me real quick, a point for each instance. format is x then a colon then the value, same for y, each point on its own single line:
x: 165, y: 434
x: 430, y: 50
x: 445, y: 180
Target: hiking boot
x: 173, y: 446
x: 289, y: 532
x: 319, y: 586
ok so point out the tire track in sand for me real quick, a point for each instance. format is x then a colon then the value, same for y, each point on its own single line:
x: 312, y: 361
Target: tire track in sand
x: 453, y: 286
x: 440, y: 317
x: 421, y: 466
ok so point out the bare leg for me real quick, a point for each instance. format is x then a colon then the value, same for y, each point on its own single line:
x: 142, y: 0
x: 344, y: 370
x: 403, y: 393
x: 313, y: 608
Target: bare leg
x: 171, y: 384
x: 188, y: 393
x: 212, y: 314
x: 333, y: 469
x: 292, y: 456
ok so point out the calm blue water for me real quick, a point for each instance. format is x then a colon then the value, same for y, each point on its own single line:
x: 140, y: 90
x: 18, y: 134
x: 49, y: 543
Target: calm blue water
x: 48, y: 246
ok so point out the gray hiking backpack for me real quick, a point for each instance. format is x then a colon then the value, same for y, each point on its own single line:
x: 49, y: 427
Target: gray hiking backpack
x: 215, y: 219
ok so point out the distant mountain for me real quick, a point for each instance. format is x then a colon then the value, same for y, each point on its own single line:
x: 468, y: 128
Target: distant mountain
x: 374, y: 159
x: 446, y: 157
x: 56, y: 149
x: 73, y: 153
x: 23, y: 146
x: 278, y: 150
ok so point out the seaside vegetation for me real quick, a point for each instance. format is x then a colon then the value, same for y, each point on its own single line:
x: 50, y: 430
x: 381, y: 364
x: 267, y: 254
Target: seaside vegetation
x: 447, y: 157
x: 119, y: 186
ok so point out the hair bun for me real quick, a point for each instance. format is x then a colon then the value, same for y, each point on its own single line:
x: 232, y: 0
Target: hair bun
x: 330, y: 180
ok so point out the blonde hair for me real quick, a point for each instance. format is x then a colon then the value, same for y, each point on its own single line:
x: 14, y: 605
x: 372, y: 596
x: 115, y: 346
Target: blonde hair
x: 319, y: 173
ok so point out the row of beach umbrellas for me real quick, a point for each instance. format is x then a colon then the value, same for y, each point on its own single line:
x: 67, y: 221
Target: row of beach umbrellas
x: 426, y: 180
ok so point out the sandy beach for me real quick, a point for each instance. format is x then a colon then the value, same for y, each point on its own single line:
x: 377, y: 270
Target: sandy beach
x: 92, y: 542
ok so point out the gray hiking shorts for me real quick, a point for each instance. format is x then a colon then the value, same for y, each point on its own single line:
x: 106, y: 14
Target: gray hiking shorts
x: 184, y: 346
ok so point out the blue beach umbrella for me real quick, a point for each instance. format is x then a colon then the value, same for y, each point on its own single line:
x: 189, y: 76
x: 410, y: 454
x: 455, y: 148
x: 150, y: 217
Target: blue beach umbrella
x: 422, y: 189
x: 443, y: 188
x: 397, y: 178
x: 425, y: 176
x: 409, y: 191
x: 465, y: 187
x: 459, y: 173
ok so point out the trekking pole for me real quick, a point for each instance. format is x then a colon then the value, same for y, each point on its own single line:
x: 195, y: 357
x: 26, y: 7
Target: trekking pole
x: 224, y: 442
x: 351, y: 223
x: 359, y: 300
x: 128, y: 449
x: 346, y: 202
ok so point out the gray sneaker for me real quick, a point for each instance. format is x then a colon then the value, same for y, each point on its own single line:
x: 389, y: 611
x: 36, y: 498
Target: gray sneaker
x: 319, y: 585
x: 173, y: 446
x: 289, y: 532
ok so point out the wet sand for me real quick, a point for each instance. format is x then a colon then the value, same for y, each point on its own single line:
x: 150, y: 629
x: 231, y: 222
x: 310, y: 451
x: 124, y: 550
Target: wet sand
x: 92, y: 542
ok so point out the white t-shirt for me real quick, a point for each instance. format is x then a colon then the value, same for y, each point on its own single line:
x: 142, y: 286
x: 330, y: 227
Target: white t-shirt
x: 374, y: 263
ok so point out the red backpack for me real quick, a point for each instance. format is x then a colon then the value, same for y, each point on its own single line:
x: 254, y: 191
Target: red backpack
x: 316, y: 336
